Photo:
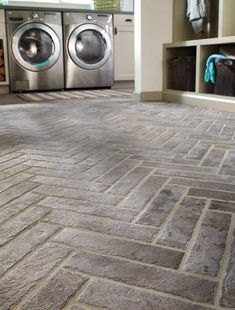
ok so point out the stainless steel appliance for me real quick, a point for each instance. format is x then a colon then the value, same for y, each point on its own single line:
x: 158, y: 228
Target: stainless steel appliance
x: 35, y: 50
x: 88, y: 44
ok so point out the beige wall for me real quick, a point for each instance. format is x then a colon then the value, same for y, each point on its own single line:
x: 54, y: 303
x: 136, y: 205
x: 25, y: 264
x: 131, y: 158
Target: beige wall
x: 153, y: 27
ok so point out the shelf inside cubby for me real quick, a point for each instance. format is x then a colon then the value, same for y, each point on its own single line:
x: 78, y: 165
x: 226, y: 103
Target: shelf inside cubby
x: 180, y: 63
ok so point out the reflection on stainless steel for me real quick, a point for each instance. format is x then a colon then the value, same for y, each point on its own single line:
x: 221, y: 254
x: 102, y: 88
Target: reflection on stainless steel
x: 36, y: 58
x: 90, y: 46
x: 88, y: 50
x: 36, y: 46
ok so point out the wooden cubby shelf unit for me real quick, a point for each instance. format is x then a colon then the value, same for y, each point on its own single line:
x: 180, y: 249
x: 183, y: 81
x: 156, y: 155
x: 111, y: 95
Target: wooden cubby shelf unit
x: 186, y: 43
x: 204, y: 92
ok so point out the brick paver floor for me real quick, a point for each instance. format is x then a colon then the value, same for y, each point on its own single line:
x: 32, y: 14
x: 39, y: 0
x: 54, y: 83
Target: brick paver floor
x: 113, y: 204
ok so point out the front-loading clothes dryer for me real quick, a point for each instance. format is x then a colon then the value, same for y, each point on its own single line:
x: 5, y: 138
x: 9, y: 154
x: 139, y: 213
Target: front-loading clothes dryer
x: 88, y: 44
x: 35, y: 50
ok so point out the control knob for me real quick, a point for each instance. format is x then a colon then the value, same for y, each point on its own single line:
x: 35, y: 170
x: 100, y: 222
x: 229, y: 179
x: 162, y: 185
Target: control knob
x: 35, y: 15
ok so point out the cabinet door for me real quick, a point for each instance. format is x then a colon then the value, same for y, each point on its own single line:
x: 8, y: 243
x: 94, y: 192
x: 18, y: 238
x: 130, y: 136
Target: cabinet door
x: 4, y: 78
x: 123, y: 48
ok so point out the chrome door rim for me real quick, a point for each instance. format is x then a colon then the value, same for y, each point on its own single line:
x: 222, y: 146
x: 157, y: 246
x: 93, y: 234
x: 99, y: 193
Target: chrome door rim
x: 15, y: 50
x: 72, y: 50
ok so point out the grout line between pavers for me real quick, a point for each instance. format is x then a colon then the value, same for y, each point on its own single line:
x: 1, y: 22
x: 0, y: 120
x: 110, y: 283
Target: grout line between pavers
x: 86, y: 172
x: 15, y: 165
x: 20, y: 211
x: 122, y: 178
x: 137, y: 262
x: 26, y: 228
x: 5, y: 161
x: 194, y: 236
x: 140, y: 263
x: 161, y: 145
x: 140, y: 288
x: 211, y: 125
x: 141, y: 213
x: 86, y: 307
x: 203, y: 180
x: 170, y: 215
x: 74, y: 299
x: 137, y: 187
x: 21, y: 194
x: 222, y: 162
x: 222, y: 211
x: 33, y: 251
x: 190, y: 151
x: 216, y: 199
x: 223, y: 127
x: 41, y: 282
x: 225, y: 261
x: 210, y: 148
x: 92, y: 153
x: 110, y: 236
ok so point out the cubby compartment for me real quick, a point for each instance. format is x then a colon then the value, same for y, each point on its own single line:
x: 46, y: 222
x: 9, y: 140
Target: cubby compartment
x: 224, y: 74
x: 182, y: 28
x: 181, y: 68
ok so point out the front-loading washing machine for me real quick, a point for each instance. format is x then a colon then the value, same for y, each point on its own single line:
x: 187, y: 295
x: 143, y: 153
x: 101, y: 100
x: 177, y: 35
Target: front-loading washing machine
x: 88, y: 44
x: 35, y: 50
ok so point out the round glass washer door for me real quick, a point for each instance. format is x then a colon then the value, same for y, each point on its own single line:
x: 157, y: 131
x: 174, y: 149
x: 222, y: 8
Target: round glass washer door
x: 89, y: 46
x: 35, y: 46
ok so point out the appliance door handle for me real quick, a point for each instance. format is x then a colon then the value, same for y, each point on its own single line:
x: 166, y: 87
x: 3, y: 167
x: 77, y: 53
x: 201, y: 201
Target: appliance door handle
x: 128, y: 20
x: 115, y: 31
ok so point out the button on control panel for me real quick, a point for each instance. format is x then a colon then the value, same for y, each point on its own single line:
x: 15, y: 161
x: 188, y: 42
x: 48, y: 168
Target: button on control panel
x: 35, y: 16
x: 89, y: 17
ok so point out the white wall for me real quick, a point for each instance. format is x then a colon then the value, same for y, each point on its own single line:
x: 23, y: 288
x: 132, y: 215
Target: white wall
x: 153, y: 27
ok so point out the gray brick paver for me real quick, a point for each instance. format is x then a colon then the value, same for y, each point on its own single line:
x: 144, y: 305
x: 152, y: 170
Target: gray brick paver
x: 144, y: 193
x: 179, y: 230
x: 149, y: 254
x: 11, y: 228
x: 126, y: 215
x: 24, y: 244
x: 193, y: 288
x: 119, y: 297
x: 228, y: 293
x: 106, y: 175
x: 18, y: 282
x: 210, y: 245
x: 54, y: 294
x: 99, y: 224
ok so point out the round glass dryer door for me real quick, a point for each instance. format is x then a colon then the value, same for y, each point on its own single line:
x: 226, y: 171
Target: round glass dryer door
x: 35, y: 47
x: 89, y: 46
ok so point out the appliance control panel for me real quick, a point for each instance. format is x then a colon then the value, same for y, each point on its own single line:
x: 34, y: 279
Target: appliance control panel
x: 33, y: 16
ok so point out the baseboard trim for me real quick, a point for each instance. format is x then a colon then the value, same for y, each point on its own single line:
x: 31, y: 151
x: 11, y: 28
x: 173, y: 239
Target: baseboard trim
x: 221, y: 103
x: 4, y: 90
x: 148, y: 96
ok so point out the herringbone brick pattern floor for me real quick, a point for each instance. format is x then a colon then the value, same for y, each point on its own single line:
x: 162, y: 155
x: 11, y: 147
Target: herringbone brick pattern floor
x: 112, y: 204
